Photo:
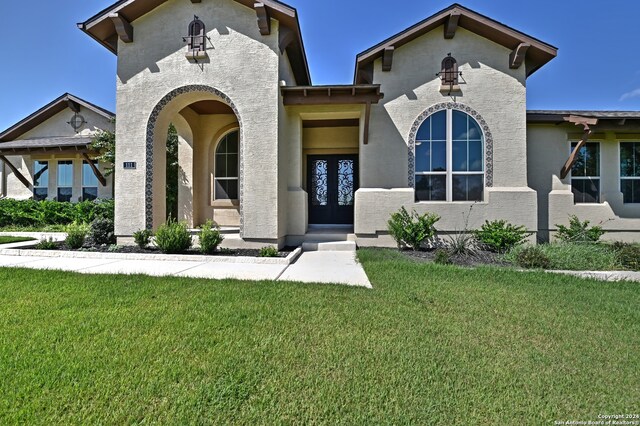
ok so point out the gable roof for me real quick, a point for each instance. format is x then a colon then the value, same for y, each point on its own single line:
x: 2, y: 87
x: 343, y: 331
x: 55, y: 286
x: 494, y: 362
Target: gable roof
x: 558, y: 116
x: 102, y: 29
x: 46, y: 112
x: 538, y: 54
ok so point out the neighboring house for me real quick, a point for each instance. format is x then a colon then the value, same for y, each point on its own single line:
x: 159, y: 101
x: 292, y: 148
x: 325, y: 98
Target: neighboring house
x: 47, y: 155
x: 436, y: 120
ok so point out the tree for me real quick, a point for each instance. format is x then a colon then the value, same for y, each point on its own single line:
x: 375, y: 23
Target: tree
x: 172, y: 172
x: 104, y: 142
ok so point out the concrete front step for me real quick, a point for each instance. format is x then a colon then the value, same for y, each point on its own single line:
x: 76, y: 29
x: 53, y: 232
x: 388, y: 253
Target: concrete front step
x: 329, y: 246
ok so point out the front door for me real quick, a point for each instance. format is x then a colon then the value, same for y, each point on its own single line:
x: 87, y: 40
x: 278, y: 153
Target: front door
x: 332, y: 182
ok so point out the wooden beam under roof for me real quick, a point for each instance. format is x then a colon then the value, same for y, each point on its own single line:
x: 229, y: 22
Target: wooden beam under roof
x: 286, y: 38
x: 123, y: 28
x: 586, y: 122
x: 264, y: 20
x: 96, y: 172
x: 451, y: 25
x: 518, y: 55
x: 387, y: 58
x: 16, y: 172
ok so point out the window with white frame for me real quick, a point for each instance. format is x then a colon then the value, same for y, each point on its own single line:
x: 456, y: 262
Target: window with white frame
x: 585, y: 174
x: 65, y: 180
x: 630, y: 171
x: 449, y: 158
x: 40, y: 180
x: 89, y: 181
x: 226, y: 168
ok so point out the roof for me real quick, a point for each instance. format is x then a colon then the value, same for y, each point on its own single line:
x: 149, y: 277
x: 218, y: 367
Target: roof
x: 538, y: 54
x: 20, y: 147
x: 558, y: 115
x: 332, y: 95
x: 102, y: 29
x: 46, y: 112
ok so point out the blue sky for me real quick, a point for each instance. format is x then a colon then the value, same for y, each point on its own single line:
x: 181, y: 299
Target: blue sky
x: 598, y: 65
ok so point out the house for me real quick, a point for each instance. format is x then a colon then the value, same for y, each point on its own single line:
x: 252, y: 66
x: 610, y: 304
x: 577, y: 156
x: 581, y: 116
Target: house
x: 435, y: 120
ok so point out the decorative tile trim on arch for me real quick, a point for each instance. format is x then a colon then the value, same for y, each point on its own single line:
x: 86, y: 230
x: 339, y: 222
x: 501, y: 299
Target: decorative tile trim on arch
x: 488, y: 138
x: 151, y: 127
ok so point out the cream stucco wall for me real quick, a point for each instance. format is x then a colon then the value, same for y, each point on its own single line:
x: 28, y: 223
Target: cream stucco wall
x: 58, y: 125
x: 155, y: 65
x: 548, y: 149
x: 489, y: 87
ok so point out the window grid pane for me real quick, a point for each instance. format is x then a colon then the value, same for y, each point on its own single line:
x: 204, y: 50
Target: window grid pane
x: 226, y: 168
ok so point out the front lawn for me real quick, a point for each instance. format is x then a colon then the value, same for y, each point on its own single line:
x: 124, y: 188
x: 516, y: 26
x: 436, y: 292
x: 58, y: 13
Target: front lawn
x: 9, y: 240
x: 428, y: 345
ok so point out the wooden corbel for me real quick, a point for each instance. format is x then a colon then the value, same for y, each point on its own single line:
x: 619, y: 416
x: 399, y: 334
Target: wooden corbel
x: 586, y: 123
x: 99, y: 176
x: 451, y: 25
x: 123, y: 27
x: 73, y: 106
x: 387, y: 58
x: 518, y: 55
x: 16, y: 172
x: 264, y: 20
x: 286, y: 38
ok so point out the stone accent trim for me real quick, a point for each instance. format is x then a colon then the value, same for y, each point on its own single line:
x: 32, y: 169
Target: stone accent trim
x: 488, y: 139
x: 151, y: 128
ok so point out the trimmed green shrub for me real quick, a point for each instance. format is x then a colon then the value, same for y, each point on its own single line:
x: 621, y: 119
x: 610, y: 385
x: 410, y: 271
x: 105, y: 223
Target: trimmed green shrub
x: 500, y: 236
x: 210, y: 238
x: 102, y: 231
x: 579, y: 232
x: 412, y: 230
x: 173, y: 237
x: 46, y: 244
x: 268, y: 251
x: 533, y: 257
x: 628, y: 255
x: 143, y: 238
x: 76, y: 235
x: 39, y: 214
x: 442, y: 257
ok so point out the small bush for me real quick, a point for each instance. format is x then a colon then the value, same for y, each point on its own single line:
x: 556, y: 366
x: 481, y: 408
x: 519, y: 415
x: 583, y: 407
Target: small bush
x: 628, y: 255
x: 442, y: 257
x: 47, y: 244
x: 575, y: 257
x: 210, y: 238
x: 173, y: 237
x: 114, y: 248
x: 268, y: 251
x: 412, y: 230
x: 461, y: 243
x: 500, y: 236
x: 102, y: 231
x: 579, y: 232
x: 142, y: 238
x: 39, y: 215
x: 76, y: 235
x: 533, y: 257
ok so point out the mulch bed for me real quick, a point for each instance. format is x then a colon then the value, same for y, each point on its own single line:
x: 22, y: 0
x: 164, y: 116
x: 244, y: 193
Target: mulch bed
x: 477, y: 258
x: 284, y: 252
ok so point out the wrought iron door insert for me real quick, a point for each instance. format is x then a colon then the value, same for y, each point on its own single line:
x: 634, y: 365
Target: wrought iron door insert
x: 332, y: 182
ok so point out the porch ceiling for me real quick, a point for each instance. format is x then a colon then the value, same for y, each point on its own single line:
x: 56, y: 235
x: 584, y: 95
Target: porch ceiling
x: 332, y: 95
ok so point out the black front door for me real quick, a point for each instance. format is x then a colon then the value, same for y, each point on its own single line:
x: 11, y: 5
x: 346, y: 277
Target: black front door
x: 332, y: 182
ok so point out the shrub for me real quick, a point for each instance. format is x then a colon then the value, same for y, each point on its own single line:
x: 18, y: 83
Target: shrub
x: 442, y: 257
x: 461, y: 243
x: 413, y: 230
x: 575, y: 257
x: 578, y: 231
x: 143, y: 238
x: 40, y: 214
x: 173, y: 237
x: 500, y: 236
x: 102, y: 231
x: 46, y: 244
x: 76, y: 235
x: 268, y: 252
x: 210, y: 238
x: 533, y: 257
x: 628, y: 255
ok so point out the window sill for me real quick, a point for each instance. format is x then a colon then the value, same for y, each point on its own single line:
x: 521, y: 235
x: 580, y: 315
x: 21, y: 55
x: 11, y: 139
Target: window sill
x: 195, y: 55
x: 446, y: 89
x: 225, y: 204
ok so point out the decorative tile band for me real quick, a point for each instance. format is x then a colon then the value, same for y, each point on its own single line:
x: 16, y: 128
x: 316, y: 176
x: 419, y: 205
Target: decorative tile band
x: 151, y: 128
x: 488, y: 138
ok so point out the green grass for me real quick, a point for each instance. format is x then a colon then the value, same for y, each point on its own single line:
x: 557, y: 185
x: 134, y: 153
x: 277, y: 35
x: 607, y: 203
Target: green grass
x: 428, y: 345
x: 577, y: 256
x: 9, y: 240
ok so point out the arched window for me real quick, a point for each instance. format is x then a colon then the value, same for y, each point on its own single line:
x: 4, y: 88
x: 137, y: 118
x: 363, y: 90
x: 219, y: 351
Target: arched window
x: 449, y: 73
x: 449, y: 158
x: 196, y: 35
x: 227, y: 167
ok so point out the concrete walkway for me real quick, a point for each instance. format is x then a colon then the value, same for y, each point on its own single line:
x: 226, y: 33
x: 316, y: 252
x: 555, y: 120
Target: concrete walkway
x: 310, y: 267
x: 603, y: 275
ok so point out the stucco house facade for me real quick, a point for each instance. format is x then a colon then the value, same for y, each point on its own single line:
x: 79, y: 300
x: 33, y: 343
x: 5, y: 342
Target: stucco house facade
x: 436, y: 120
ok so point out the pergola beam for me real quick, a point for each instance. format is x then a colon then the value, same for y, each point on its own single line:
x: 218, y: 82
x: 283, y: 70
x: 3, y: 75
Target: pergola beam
x: 387, y: 58
x: 16, y: 172
x: 99, y: 176
x: 264, y: 20
x: 518, y: 55
x: 586, y: 123
x: 451, y: 26
x: 123, y: 28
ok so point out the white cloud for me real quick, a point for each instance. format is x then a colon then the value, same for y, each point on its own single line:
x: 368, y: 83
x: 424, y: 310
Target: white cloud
x: 630, y: 95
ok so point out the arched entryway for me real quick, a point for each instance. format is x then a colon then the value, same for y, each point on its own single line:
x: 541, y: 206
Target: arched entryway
x: 201, y: 116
